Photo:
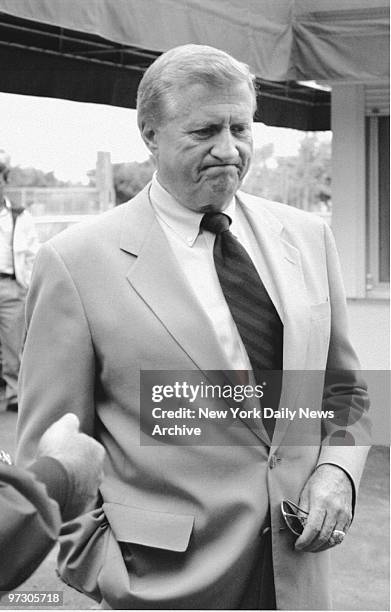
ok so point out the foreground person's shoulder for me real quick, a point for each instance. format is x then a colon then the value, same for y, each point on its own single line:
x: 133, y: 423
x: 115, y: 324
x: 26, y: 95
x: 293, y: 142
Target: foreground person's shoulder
x: 283, y: 213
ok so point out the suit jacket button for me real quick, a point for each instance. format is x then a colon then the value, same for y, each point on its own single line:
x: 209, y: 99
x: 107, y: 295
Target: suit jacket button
x: 273, y: 461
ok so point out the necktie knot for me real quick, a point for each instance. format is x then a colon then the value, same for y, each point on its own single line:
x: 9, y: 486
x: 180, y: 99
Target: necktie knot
x: 216, y: 222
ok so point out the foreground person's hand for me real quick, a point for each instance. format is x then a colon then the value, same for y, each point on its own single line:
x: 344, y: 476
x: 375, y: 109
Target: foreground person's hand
x: 81, y: 456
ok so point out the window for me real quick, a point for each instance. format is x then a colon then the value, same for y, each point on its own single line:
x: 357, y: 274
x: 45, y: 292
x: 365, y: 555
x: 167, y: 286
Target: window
x: 378, y: 205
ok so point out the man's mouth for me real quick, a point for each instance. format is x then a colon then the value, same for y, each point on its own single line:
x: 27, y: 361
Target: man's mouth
x: 220, y: 168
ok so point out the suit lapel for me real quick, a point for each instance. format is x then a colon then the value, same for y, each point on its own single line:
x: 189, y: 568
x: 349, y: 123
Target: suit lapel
x: 282, y: 274
x: 157, y: 278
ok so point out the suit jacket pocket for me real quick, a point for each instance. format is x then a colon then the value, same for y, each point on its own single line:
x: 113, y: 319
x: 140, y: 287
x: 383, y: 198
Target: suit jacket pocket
x: 148, y: 527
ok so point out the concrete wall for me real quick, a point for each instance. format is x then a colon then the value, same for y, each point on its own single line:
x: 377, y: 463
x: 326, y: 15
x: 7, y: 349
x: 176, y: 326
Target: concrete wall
x: 369, y: 317
x: 370, y: 334
x: 348, y: 184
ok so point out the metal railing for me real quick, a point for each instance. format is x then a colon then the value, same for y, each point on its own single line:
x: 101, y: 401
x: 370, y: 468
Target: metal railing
x: 56, y: 208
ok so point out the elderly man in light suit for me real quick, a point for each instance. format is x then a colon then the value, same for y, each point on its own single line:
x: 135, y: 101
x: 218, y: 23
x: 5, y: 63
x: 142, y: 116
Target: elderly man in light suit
x: 137, y: 289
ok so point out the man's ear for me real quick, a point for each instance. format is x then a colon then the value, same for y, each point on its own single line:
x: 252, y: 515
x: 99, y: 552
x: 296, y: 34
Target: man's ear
x: 149, y: 136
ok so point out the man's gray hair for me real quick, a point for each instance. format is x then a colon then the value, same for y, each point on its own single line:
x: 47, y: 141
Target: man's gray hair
x: 179, y: 67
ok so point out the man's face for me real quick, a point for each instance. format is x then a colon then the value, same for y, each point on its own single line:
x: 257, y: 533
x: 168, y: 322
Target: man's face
x: 203, y: 149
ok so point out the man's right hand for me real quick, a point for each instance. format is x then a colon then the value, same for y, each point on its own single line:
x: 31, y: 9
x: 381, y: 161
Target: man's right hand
x: 81, y: 456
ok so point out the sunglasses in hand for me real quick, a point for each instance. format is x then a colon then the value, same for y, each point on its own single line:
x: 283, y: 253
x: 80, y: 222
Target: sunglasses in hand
x: 294, y: 516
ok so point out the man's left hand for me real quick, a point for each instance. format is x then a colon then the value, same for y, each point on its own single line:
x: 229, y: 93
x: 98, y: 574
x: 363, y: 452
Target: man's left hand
x: 327, y: 496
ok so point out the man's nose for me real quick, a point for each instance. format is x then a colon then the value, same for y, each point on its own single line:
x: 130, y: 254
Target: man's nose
x: 224, y: 146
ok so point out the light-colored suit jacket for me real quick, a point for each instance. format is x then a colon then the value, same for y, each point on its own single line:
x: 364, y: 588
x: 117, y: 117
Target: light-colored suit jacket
x: 178, y: 526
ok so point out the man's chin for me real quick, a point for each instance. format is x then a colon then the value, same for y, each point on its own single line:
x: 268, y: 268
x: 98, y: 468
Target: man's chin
x: 218, y: 200
x: 216, y: 194
x: 224, y: 185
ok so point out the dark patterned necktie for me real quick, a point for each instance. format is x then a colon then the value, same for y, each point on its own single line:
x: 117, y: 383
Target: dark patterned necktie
x: 252, y: 310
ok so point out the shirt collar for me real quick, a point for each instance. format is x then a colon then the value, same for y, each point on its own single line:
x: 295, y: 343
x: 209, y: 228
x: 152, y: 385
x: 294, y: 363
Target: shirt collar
x: 183, y: 221
x: 7, y: 203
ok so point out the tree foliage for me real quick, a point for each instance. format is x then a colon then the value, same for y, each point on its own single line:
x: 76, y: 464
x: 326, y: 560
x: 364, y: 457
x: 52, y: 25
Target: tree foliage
x: 130, y: 178
x: 303, y: 180
x: 32, y: 177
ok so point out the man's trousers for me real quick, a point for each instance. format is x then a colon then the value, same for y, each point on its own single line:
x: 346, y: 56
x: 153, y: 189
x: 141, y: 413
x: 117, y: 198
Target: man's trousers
x: 12, y: 300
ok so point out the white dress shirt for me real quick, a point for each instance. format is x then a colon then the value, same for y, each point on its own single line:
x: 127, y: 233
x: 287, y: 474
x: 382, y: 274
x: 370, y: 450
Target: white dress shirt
x: 6, y: 227
x: 193, y: 248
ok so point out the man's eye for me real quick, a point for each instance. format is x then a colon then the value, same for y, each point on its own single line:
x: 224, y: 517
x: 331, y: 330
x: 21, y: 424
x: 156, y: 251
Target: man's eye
x: 239, y: 129
x: 204, y: 132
